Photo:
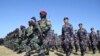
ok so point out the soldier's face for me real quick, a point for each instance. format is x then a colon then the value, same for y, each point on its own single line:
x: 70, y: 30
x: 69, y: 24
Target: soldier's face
x: 98, y: 31
x: 66, y: 21
x: 92, y: 30
x: 80, y: 26
x: 33, y: 20
x: 42, y: 16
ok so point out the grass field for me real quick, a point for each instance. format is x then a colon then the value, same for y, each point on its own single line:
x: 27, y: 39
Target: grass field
x: 7, y: 52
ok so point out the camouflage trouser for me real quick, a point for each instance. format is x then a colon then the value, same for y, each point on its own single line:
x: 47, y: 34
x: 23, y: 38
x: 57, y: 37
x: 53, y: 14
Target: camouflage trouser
x: 66, y: 47
x: 44, y: 50
x: 76, y: 46
x: 72, y: 43
x: 6, y: 43
x: 41, y: 53
x: 68, y: 51
x: 34, y: 42
x: 18, y: 44
x: 12, y: 43
x: 98, y: 46
x: 24, y: 44
x: 28, y: 50
x: 93, y: 45
x: 45, y: 46
x: 82, y: 47
x: 89, y: 45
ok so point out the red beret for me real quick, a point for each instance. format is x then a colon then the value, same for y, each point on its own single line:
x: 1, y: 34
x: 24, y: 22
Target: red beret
x: 43, y: 12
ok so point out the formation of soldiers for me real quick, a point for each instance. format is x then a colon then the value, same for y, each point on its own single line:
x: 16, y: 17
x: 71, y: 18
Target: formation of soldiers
x: 79, y: 39
x: 40, y: 37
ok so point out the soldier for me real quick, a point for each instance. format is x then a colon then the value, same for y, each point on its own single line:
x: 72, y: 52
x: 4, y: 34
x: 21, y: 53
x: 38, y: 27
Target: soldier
x: 82, y: 37
x: 32, y: 36
x: 12, y: 39
x: 98, y: 40
x: 29, y: 35
x: 93, y: 40
x: 21, y: 37
x: 6, y: 42
x: 35, y: 40
x: 45, y: 26
x: 67, y: 32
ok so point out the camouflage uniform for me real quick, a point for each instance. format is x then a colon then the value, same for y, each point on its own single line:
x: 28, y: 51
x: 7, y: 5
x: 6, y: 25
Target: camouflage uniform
x: 67, y: 32
x: 19, y: 41
x: 29, y: 35
x: 98, y: 40
x: 32, y: 37
x: 35, y: 40
x: 82, y: 37
x: 45, y: 26
x: 93, y: 40
x: 9, y: 40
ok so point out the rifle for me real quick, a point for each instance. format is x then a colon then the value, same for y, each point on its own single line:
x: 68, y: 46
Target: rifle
x: 39, y: 28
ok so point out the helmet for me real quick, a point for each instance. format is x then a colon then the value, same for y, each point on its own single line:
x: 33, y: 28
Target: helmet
x: 30, y: 22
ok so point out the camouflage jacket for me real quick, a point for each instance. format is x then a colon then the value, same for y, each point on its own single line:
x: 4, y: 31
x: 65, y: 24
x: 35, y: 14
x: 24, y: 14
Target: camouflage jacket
x: 67, y: 29
x: 82, y: 33
x: 45, y: 25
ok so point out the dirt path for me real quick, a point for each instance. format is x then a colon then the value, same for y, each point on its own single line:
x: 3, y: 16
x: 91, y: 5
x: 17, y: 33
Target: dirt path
x: 7, y: 52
